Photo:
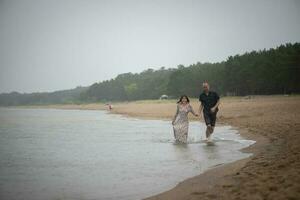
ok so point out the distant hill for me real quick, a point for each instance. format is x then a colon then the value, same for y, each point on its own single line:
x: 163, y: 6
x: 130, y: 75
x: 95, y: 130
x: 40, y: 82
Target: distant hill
x: 263, y: 72
x: 42, y: 98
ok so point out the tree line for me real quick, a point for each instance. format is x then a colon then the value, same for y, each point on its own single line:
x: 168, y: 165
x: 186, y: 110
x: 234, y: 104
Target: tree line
x: 42, y: 98
x: 263, y: 72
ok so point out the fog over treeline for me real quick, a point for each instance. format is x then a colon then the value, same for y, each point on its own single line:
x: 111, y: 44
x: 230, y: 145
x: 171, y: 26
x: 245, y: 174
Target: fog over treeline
x: 263, y: 72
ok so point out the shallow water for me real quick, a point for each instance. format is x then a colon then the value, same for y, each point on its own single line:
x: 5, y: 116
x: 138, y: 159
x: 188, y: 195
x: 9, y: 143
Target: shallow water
x: 76, y: 154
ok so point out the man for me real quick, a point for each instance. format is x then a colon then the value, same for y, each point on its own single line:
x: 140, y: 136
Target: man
x: 209, y: 105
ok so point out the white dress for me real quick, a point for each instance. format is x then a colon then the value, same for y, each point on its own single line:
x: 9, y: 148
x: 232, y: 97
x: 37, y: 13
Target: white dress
x: 181, y: 122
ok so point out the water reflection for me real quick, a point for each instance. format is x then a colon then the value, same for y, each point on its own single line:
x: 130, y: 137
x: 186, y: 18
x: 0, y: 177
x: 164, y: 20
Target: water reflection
x: 211, y: 151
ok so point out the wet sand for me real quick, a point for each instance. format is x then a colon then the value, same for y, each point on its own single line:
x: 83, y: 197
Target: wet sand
x: 273, y: 172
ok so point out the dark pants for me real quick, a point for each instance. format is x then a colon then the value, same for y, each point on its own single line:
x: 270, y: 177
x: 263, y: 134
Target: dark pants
x: 210, y: 118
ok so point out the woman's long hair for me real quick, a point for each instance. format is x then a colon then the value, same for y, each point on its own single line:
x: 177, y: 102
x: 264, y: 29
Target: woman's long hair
x: 182, y: 96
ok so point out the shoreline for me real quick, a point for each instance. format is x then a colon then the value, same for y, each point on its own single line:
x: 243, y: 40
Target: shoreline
x: 202, y: 184
x: 271, y: 172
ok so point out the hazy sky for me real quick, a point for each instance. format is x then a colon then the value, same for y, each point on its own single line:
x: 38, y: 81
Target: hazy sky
x: 59, y: 44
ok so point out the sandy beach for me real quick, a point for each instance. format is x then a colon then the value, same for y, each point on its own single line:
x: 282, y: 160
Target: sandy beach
x: 273, y: 172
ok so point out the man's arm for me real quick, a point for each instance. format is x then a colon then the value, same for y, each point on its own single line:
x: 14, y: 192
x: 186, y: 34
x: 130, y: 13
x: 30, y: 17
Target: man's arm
x: 201, y: 105
x: 200, y: 109
x: 213, y: 109
x: 217, y: 97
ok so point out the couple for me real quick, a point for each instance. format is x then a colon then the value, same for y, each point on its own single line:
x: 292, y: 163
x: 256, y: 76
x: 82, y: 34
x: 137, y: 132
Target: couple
x: 209, y: 105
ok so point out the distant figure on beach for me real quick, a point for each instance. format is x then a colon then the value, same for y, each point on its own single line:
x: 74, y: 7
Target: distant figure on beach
x: 209, y: 105
x: 109, y: 106
x: 180, y: 121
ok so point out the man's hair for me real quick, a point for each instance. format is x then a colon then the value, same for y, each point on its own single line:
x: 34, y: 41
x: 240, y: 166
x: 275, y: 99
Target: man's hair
x: 205, y: 82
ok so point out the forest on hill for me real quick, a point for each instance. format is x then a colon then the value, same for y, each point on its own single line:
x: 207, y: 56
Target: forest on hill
x: 42, y: 98
x: 263, y: 72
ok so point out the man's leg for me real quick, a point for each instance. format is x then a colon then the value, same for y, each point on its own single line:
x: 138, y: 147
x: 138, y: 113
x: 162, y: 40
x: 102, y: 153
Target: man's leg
x: 208, y: 124
x: 208, y: 130
x: 213, y: 118
x: 211, y: 126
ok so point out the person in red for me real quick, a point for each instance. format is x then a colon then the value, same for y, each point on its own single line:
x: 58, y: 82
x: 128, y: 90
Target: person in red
x: 209, y: 105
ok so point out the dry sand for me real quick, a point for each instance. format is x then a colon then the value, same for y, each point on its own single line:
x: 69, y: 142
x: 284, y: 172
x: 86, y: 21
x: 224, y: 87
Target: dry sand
x: 273, y: 172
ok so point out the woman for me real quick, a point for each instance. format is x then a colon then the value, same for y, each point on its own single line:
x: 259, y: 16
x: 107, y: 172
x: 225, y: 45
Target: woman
x: 180, y: 121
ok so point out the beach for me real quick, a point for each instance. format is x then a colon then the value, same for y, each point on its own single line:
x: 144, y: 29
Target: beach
x: 272, y: 172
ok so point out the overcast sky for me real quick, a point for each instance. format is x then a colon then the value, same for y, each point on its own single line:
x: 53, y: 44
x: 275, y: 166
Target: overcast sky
x: 60, y: 44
